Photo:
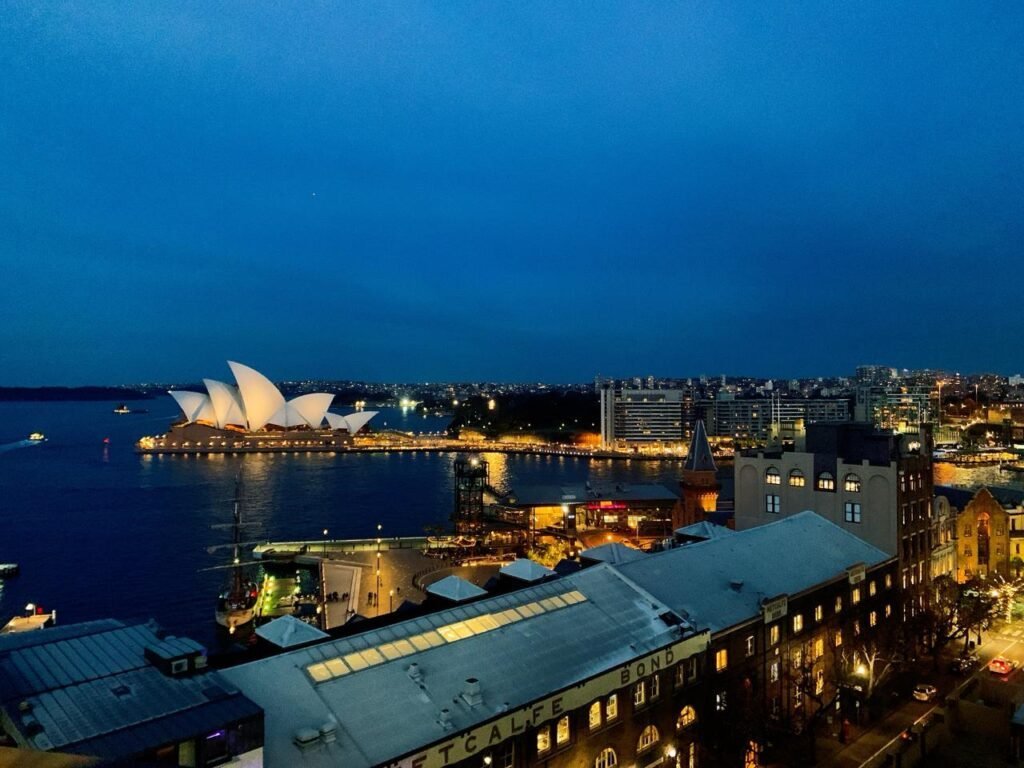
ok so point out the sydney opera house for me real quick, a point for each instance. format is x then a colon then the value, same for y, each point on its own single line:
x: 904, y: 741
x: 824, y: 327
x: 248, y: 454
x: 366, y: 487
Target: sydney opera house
x: 254, y: 417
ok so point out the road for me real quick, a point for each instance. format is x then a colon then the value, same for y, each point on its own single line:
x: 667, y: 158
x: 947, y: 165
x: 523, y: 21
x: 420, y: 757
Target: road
x: 1005, y: 641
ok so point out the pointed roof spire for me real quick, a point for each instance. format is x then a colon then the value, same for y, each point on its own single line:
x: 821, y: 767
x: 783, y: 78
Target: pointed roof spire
x: 700, y: 459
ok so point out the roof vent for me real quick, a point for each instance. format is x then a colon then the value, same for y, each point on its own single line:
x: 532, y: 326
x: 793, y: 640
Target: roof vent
x: 25, y: 706
x: 736, y: 584
x: 414, y: 671
x: 329, y: 732
x: 471, y: 692
x: 306, y: 738
x: 32, y: 726
x: 444, y: 719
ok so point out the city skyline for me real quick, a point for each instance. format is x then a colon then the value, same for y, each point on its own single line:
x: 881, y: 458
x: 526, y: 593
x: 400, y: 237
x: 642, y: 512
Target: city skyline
x: 524, y: 193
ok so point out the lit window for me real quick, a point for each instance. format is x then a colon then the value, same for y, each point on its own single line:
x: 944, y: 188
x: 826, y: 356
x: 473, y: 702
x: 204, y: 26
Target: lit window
x: 873, y: 618
x: 543, y: 739
x: 851, y: 512
x: 649, y: 736
x: 772, y: 476
x: 826, y: 482
x: 798, y: 622
x: 819, y: 647
x: 687, y: 717
x: 639, y: 694
x: 655, y: 686
x: 839, y: 604
x: 797, y: 657
x: 855, y: 596
x: 819, y: 612
x: 750, y: 645
x: 856, y: 627
x: 562, y: 731
x: 772, y: 504
x: 692, y: 760
x: 796, y: 479
x: 720, y: 701
x: 852, y: 483
x: 888, y: 610
x: 611, y: 707
x: 839, y: 637
x: 721, y: 659
x: 872, y: 589
x: 819, y: 682
x: 595, y: 716
x: 606, y: 759
x: 773, y: 634
x: 773, y: 672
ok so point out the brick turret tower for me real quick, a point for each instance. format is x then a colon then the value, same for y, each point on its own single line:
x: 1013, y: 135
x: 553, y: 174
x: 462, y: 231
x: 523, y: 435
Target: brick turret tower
x: 699, y: 485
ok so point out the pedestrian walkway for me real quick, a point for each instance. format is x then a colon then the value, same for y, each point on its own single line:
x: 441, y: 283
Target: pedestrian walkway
x: 345, y: 580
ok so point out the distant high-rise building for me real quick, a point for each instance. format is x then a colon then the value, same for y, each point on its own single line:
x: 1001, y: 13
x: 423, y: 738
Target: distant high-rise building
x: 900, y: 409
x: 641, y: 415
x: 762, y: 419
x: 878, y: 375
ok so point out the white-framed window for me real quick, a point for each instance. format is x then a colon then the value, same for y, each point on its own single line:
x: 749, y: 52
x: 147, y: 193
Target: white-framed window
x: 819, y: 647
x: 750, y: 645
x: 687, y: 717
x: 873, y: 618
x: 773, y: 672
x: 594, y: 716
x: 796, y: 478
x: 839, y: 604
x: 772, y: 476
x: 872, y: 588
x: 772, y: 503
x: 721, y: 702
x: 562, y: 731
x: 851, y: 511
x: 639, y: 694
x: 798, y: 622
x: 855, y: 596
x: 773, y: 634
x: 826, y: 482
x: 606, y: 759
x: 655, y: 686
x: 611, y: 707
x: 649, y: 736
x: 819, y: 612
x: 852, y: 483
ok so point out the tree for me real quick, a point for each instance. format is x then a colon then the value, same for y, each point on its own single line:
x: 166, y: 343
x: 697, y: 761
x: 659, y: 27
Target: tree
x: 955, y: 611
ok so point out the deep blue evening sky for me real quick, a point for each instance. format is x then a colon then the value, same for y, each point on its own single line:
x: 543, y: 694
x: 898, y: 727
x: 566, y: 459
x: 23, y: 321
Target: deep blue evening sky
x: 508, y: 191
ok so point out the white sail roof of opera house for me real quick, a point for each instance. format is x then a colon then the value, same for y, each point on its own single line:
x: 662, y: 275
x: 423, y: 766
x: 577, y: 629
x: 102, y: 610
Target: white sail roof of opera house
x: 256, y: 402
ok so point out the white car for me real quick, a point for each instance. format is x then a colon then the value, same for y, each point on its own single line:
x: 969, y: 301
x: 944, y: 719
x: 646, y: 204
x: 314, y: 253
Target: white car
x: 924, y: 692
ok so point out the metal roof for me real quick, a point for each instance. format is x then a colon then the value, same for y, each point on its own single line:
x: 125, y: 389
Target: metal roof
x: 287, y: 632
x: 721, y: 582
x: 704, y: 530
x: 455, y: 589
x: 613, y: 552
x: 526, y: 570
x: 520, y: 646
x: 579, y: 493
x: 89, y: 689
x: 699, y: 458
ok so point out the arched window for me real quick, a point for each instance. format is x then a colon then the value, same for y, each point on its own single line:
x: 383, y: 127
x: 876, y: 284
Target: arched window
x: 796, y: 479
x: 606, y: 759
x: 648, y: 738
x: 772, y: 476
x: 687, y: 717
x: 826, y: 481
x: 852, y: 483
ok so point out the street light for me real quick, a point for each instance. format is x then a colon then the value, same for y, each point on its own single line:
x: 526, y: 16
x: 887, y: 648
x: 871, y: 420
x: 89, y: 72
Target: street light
x: 325, y: 542
x: 391, y: 601
x: 376, y: 595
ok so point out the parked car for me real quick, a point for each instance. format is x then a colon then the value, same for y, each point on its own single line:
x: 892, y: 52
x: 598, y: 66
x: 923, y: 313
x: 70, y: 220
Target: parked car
x: 924, y: 692
x: 964, y: 664
x: 1001, y: 665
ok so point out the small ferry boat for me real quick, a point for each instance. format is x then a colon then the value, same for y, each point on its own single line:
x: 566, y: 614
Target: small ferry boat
x: 37, y: 437
x: 122, y: 408
x: 7, y: 570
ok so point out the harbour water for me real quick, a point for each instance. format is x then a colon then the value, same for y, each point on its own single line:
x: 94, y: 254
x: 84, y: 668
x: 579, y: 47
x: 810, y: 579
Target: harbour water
x: 100, y: 531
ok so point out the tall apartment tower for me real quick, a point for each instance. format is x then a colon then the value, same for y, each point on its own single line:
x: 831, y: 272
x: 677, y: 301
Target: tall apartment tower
x: 641, y: 416
x: 699, y: 485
